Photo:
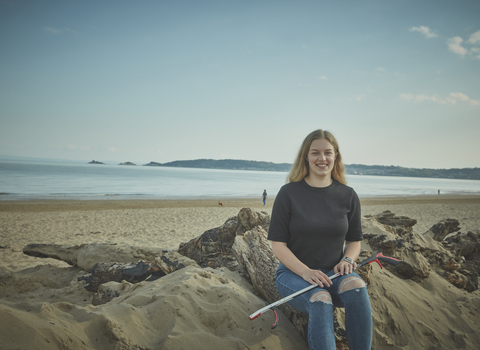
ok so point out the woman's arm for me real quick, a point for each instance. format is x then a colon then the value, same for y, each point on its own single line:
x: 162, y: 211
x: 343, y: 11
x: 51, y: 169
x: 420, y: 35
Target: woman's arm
x: 352, y: 251
x: 285, y: 255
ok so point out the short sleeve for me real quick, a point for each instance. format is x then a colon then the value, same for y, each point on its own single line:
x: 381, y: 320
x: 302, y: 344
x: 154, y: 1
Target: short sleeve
x: 280, y: 220
x: 354, y: 232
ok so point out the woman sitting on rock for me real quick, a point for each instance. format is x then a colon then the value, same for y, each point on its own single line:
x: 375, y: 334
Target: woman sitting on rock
x: 316, y: 231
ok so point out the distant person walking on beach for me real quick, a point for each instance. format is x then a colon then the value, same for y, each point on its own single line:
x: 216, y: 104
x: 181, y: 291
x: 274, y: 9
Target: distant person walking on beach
x: 315, y: 231
x: 264, y: 195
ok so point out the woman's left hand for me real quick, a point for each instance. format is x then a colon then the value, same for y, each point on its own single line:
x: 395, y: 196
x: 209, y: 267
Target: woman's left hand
x: 344, y: 267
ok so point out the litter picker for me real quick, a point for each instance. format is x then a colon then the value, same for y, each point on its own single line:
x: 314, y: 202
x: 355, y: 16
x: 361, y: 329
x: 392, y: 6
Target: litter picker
x: 375, y: 258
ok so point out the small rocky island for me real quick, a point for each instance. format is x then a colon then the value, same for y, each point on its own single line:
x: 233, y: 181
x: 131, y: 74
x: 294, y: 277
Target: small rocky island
x: 95, y: 162
x: 127, y: 163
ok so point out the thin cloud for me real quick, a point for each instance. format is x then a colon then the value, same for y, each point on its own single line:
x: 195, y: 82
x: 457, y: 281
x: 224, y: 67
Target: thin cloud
x: 421, y: 98
x: 474, y: 102
x: 452, y: 99
x: 52, y: 30
x: 81, y: 148
x: 358, y: 98
x: 425, y: 31
x: 323, y: 77
x: 57, y: 31
x: 457, y: 96
x: 455, y: 45
x: 474, y: 38
x: 476, y: 50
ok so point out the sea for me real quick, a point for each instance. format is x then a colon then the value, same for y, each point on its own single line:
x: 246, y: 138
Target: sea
x: 34, y: 179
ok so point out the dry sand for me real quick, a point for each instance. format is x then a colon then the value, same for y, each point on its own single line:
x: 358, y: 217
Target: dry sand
x: 209, y: 308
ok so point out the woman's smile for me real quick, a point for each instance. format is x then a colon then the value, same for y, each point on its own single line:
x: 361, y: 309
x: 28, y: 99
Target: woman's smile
x: 321, y: 158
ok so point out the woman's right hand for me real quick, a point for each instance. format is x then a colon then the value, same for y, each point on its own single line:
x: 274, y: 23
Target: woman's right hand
x: 316, y: 277
x: 285, y: 255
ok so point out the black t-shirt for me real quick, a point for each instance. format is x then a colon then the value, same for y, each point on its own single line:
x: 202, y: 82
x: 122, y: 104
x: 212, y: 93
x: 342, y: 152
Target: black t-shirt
x: 316, y: 222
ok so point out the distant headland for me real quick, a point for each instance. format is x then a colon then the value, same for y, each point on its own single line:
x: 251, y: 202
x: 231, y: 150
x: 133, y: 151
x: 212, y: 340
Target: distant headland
x: 352, y: 169
x: 232, y: 164
x: 95, y: 162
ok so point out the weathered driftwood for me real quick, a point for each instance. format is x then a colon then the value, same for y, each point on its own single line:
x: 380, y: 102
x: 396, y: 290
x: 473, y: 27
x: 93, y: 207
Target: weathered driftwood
x: 466, y: 249
x: 164, y: 264
x: 254, y: 254
x: 400, y: 223
x: 54, y: 251
x: 457, y: 258
x: 465, y: 245
x: 442, y: 229
x: 214, y: 247
x: 167, y: 262
x: 113, y: 262
x: 86, y: 256
x: 118, y: 272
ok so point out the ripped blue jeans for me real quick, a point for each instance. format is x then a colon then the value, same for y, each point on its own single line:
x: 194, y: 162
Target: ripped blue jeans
x: 348, y: 291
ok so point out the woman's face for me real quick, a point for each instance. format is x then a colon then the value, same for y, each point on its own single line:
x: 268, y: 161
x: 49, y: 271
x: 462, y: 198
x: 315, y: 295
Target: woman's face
x: 321, y: 158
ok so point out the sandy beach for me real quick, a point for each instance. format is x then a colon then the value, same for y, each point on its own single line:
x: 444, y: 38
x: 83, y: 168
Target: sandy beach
x: 167, y: 223
x: 27, y: 283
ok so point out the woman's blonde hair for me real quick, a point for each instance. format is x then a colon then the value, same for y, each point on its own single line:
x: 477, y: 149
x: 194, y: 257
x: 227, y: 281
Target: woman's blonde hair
x: 300, y: 168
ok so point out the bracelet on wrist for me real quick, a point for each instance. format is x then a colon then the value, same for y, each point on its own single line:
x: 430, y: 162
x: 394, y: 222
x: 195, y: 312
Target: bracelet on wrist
x: 347, y: 259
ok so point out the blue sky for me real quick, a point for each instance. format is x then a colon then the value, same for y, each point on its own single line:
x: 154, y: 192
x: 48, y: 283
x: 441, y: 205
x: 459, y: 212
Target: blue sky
x: 396, y: 82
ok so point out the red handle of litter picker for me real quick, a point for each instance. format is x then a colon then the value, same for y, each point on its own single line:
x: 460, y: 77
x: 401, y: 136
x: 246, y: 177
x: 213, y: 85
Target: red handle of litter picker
x: 377, y: 257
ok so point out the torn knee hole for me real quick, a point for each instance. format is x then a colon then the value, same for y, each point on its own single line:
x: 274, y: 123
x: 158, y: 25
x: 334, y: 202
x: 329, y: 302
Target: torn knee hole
x: 351, y: 283
x: 322, y: 296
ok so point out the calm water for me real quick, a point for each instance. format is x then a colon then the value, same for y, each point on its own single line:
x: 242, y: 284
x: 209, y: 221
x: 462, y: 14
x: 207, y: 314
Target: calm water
x: 28, y: 179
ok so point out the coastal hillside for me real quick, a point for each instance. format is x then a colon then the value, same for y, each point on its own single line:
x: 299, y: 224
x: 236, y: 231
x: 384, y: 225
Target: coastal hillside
x: 233, y: 164
x: 352, y: 169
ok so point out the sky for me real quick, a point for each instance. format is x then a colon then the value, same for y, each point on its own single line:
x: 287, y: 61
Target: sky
x: 396, y: 82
